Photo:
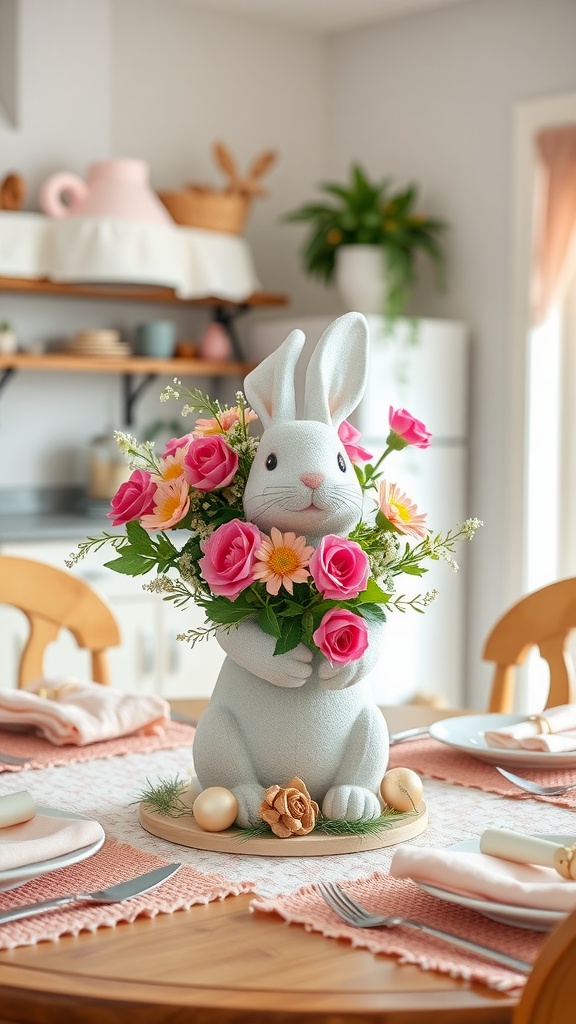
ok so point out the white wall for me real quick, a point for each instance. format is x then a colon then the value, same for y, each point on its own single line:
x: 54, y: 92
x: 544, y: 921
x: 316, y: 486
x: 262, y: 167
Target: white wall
x: 437, y: 94
x: 428, y: 97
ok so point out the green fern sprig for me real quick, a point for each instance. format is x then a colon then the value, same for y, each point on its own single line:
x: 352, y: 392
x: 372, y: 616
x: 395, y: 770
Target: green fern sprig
x: 165, y: 797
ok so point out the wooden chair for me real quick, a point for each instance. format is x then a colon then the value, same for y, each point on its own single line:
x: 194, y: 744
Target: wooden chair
x: 53, y: 599
x: 543, y: 619
x: 548, y: 997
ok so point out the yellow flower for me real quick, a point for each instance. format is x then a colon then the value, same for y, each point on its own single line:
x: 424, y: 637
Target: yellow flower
x: 400, y: 511
x: 283, y: 558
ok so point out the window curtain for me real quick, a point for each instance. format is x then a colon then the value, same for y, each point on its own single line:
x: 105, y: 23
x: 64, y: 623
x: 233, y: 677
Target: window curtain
x: 556, y: 216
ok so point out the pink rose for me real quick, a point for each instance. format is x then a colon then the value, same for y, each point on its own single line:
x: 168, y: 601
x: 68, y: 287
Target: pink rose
x: 405, y: 429
x: 339, y: 568
x: 209, y: 463
x: 342, y: 636
x: 350, y: 437
x: 133, y: 499
x: 229, y: 557
x: 175, y: 443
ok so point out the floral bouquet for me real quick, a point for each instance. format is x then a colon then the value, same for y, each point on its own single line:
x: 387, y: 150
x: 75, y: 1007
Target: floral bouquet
x: 182, y: 515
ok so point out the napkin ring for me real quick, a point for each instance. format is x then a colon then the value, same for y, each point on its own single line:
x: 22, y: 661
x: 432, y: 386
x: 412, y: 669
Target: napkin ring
x: 565, y: 862
x: 543, y: 722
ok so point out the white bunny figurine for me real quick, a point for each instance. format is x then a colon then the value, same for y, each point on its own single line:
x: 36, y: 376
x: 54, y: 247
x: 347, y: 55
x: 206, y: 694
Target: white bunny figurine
x: 273, y: 717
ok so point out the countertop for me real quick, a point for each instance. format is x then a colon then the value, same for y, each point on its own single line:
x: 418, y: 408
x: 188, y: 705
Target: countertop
x: 37, y: 515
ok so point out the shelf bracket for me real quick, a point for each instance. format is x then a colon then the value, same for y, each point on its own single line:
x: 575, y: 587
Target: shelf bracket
x: 5, y: 376
x: 132, y: 391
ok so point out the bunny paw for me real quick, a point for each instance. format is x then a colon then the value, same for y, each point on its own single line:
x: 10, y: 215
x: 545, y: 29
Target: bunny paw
x: 249, y: 797
x: 349, y: 803
x: 338, y: 677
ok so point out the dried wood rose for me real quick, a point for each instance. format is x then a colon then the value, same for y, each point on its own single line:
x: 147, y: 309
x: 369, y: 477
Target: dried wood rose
x: 289, y: 810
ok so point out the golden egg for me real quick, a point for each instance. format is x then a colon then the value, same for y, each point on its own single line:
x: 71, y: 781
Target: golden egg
x: 215, y: 809
x: 402, y: 789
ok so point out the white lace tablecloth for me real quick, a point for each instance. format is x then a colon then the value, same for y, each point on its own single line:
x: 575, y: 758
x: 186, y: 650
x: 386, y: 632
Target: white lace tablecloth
x: 109, y: 791
x: 195, y: 262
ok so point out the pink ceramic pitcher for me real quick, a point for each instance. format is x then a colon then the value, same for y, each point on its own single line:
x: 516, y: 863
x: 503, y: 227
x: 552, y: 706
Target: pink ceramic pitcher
x: 113, y: 188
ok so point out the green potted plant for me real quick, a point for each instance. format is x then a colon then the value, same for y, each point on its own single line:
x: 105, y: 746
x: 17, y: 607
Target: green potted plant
x: 369, y: 221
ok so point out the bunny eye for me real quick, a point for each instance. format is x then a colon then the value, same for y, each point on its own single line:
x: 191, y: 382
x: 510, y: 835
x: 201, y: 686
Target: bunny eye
x: 341, y: 463
x: 271, y: 461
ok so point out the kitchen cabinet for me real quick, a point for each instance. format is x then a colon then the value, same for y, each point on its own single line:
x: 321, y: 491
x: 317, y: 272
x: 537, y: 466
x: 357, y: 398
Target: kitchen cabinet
x: 150, y: 658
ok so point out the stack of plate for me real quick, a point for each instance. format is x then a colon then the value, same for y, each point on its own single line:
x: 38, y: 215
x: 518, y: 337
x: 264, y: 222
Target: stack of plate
x: 102, y: 343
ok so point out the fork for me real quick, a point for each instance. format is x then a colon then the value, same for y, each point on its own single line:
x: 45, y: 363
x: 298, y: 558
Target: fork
x: 357, y: 916
x: 535, y: 787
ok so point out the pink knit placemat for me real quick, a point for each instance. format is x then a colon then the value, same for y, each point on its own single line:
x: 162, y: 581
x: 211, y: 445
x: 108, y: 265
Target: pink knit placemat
x: 429, y: 757
x: 40, y: 753
x: 386, y: 895
x: 115, y: 862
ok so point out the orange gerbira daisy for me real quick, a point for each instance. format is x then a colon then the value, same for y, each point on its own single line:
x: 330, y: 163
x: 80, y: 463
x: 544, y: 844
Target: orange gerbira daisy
x: 172, y: 466
x: 171, y: 503
x: 400, y: 511
x: 283, y: 558
x: 226, y: 419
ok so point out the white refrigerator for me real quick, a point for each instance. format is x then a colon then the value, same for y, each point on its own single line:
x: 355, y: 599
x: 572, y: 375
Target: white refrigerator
x: 422, y: 367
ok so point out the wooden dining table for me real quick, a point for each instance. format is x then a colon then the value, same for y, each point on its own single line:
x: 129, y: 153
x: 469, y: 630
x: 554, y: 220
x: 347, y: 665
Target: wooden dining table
x: 222, y: 964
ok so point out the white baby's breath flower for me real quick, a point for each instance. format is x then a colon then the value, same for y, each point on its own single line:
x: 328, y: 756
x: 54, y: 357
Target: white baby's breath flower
x: 445, y: 555
x: 428, y: 598
x: 160, y: 585
x: 470, y: 526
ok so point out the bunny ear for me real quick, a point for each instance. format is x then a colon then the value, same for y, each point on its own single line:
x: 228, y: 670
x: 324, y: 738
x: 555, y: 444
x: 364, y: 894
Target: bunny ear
x: 262, y: 163
x: 337, y: 371
x: 269, y: 388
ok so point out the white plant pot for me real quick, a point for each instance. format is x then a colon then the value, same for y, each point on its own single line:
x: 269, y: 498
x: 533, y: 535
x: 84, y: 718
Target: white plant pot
x: 8, y: 343
x: 361, y: 277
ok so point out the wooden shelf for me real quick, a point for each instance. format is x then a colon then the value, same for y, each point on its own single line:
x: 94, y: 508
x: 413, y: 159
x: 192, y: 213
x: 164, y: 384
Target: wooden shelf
x: 61, y: 362
x: 132, y: 293
x: 223, y: 311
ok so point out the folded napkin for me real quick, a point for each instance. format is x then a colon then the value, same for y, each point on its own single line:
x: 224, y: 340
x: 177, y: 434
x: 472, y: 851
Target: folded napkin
x: 553, y: 730
x: 482, y: 877
x: 43, y: 837
x: 66, y: 711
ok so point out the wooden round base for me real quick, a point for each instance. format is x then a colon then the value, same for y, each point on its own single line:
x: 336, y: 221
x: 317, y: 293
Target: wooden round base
x: 186, y: 832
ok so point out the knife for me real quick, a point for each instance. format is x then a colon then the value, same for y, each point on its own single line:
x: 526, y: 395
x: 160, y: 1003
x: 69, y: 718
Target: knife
x: 115, y: 893
x: 409, y: 734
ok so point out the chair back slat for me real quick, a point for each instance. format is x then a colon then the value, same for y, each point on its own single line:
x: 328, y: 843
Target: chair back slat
x: 53, y: 599
x: 543, y: 619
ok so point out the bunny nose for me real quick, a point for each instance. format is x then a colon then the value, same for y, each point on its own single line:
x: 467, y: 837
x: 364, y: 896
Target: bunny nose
x: 312, y: 480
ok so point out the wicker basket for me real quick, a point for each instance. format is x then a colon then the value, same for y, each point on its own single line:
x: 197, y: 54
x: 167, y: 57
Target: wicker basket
x: 202, y: 208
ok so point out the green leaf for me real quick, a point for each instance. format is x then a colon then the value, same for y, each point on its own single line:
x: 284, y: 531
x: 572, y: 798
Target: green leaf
x: 226, y: 612
x: 291, y: 636
x: 268, y: 622
x: 373, y: 594
x: 131, y: 563
x: 414, y: 570
x: 139, y: 538
x: 307, y: 628
x: 372, y: 612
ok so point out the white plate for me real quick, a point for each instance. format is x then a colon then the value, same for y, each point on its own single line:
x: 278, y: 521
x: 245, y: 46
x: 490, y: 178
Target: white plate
x: 504, y: 913
x: 467, y: 734
x: 14, y: 877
